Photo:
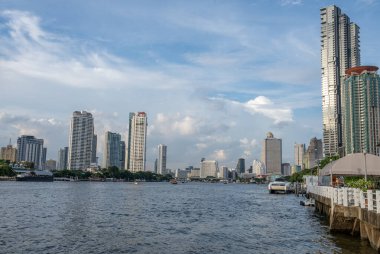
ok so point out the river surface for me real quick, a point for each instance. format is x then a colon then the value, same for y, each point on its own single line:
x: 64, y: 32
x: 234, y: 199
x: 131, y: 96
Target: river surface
x: 91, y: 217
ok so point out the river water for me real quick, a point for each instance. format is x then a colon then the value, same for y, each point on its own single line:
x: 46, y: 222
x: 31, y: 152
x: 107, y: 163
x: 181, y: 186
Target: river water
x: 94, y: 217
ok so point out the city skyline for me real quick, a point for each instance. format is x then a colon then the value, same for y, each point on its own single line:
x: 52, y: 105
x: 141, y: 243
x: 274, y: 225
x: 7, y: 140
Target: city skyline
x: 204, y: 82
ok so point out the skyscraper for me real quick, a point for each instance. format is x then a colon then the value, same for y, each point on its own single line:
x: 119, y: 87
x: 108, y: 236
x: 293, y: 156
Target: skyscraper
x: 361, y: 110
x: 112, y: 146
x: 137, y: 134
x: 30, y: 149
x: 314, y: 153
x: 8, y: 153
x: 240, y: 166
x: 63, y: 157
x: 299, y: 151
x: 122, y: 155
x: 208, y: 169
x: 339, y: 52
x: 81, y: 141
x: 94, y: 158
x: 272, y: 154
x: 161, y: 166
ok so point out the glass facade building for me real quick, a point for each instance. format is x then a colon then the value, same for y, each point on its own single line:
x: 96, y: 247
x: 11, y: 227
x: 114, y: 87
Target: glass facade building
x: 339, y: 52
x: 361, y: 110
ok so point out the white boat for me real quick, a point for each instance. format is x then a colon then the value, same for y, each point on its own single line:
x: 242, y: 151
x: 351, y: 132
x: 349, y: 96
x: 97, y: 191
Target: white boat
x: 280, y: 185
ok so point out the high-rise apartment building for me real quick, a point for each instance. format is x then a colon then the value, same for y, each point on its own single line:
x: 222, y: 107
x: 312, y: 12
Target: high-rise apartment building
x: 81, y: 139
x: 240, y: 166
x: 161, y: 164
x: 299, y: 152
x: 361, y: 110
x: 258, y: 168
x: 94, y: 158
x: 112, y: 153
x: 122, y: 155
x: 8, y: 153
x: 314, y: 153
x: 208, y: 169
x: 339, y: 52
x: 272, y: 154
x: 30, y: 149
x: 63, y: 157
x: 136, y: 149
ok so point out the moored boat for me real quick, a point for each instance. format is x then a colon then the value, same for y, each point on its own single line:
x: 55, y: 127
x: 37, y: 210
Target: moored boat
x: 35, y: 176
x: 173, y: 181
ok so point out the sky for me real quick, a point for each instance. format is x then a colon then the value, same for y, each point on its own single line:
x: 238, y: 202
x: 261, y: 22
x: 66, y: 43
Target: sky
x: 214, y: 77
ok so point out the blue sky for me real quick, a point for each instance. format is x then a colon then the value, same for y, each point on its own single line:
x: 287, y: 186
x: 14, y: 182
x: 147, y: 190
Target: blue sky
x: 213, y: 76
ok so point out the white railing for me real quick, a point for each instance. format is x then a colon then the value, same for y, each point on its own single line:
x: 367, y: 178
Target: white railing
x: 344, y: 196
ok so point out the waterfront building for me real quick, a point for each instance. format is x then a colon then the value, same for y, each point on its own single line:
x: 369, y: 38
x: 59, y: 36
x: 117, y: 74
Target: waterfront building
x: 240, y: 167
x: 195, y: 173
x: 272, y: 154
x: 8, y: 153
x: 161, y: 164
x: 122, y: 155
x: 111, y: 153
x: 30, y: 149
x: 258, y: 168
x: 339, y: 52
x: 51, y: 165
x: 181, y: 174
x: 314, y: 153
x: 361, y: 110
x: 208, y: 169
x: 286, y: 169
x: 81, y: 141
x: 94, y: 158
x: 223, y: 172
x: 137, y: 135
x: 63, y: 157
x: 295, y: 169
x: 299, y: 153
x: 43, y: 159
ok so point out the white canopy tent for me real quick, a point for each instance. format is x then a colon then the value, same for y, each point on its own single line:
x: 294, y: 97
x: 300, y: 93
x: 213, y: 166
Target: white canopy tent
x: 356, y: 164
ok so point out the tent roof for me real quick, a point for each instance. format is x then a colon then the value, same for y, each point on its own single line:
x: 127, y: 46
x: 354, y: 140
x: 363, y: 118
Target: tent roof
x: 354, y: 164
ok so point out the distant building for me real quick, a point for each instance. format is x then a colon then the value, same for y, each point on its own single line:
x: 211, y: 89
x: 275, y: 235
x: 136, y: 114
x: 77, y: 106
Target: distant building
x: 162, y: 155
x: 258, y: 168
x: 361, y: 110
x: 94, y: 159
x: 63, y: 156
x: 313, y: 153
x: 272, y: 154
x: 208, y: 169
x: 181, y: 174
x: 240, y: 167
x: 286, y: 169
x: 30, y: 149
x: 81, y: 141
x: 195, y: 173
x: 137, y: 135
x: 295, y: 169
x: 223, y: 173
x: 122, y: 155
x: 112, y: 153
x: 43, y: 160
x: 339, y: 51
x: 299, y: 153
x: 51, y: 165
x: 8, y: 153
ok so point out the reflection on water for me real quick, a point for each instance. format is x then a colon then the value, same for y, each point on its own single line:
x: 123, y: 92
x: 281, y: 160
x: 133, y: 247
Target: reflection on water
x: 83, y: 217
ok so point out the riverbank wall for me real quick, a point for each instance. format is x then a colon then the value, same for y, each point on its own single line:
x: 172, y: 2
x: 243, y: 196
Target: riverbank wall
x: 354, y: 220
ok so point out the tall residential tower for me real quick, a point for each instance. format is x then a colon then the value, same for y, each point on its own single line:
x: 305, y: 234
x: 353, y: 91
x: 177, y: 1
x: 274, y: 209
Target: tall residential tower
x: 81, y: 141
x: 136, y: 149
x: 272, y: 154
x: 112, y: 150
x: 339, y: 52
x: 361, y: 110
x: 161, y: 163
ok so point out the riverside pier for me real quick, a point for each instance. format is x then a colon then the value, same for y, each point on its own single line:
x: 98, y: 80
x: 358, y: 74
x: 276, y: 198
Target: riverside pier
x: 350, y: 210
